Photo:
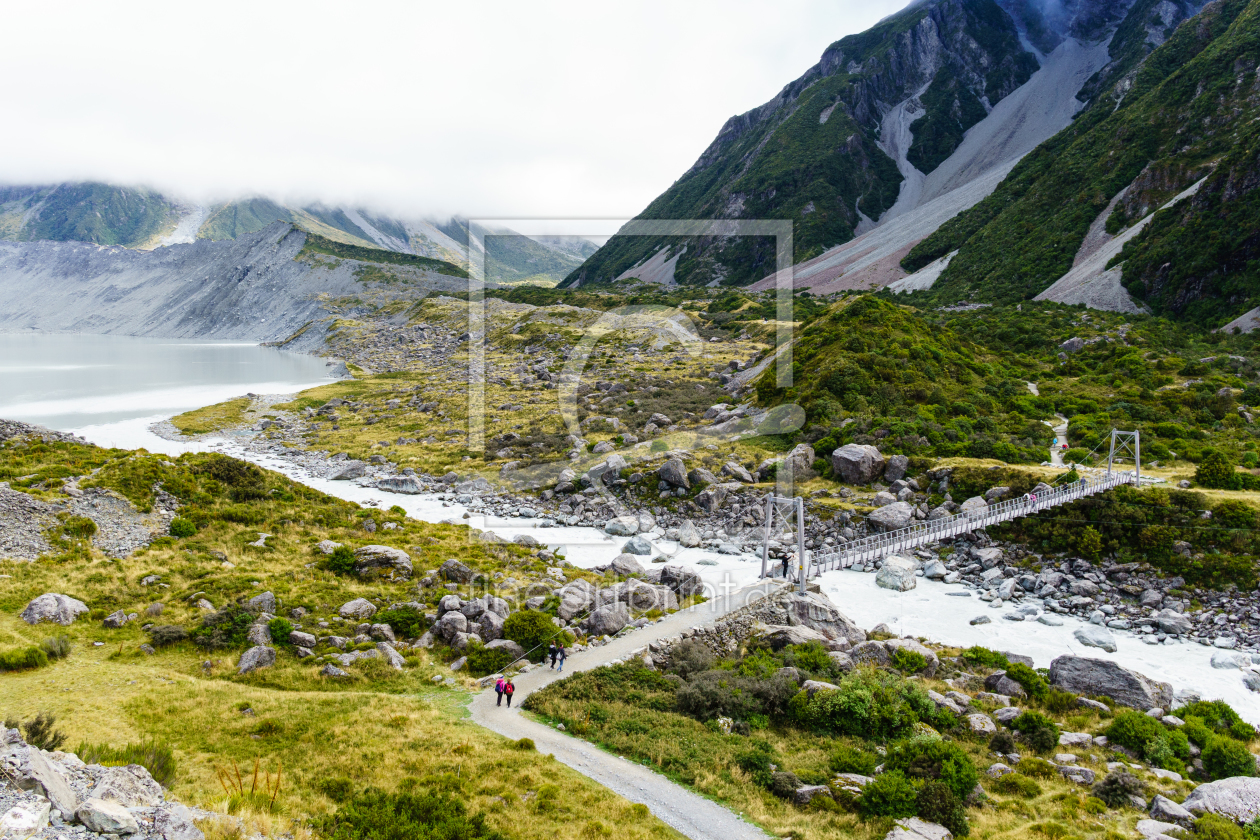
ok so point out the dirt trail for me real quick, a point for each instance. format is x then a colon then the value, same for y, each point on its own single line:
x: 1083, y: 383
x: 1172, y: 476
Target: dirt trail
x: 686, y: 811
x: 1060, y: 433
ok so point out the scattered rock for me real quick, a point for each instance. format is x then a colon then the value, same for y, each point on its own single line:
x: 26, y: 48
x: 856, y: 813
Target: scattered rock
x: 1237, y: 797
x: 1103, y: 678
x: 897, y: 573
x: 259, y: 656
x: 1091, y: 635
x: 59, y: 609
x: 104, y: 817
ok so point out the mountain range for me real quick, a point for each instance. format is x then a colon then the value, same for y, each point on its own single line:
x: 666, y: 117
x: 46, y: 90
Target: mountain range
x: 140, y: 218
x: 973, y: 150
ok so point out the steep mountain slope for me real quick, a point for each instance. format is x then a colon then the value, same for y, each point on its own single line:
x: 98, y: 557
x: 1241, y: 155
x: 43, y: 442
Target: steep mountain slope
x: 1186, y: 113
x: 262, y: 286
x: 832, y: 149
x: 86, y: 212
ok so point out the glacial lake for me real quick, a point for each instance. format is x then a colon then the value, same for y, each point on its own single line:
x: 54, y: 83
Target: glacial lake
x: 74, y: 382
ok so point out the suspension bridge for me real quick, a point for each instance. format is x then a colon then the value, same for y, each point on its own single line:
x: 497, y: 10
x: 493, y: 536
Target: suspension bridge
x: 866, y: 550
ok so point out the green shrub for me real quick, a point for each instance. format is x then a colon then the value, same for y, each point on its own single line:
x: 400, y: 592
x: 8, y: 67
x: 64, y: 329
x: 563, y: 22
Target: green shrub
x: 890, y: 795
x: 56, y: 647
x: 847, y: 759
x: 784, y: 784
x: 1033, y: 683
x: 936, y: 803
x: 524, y: 744
x: 1150, y: 739
x: 719, y: 693
x: 1224, y: 757
x: 406, y: 622
x: 1219, y: 717
x: 933, y: 759
x: 811, y: 656
x: 1215, y: 471
x: 1037, y: 767
x: 1017, y: 784
x: 156, y: 757
x: 690, y: 656
x: 24, y: 659
x: 533, y: 631
x: 166, y: 634
x: 871, y: 704
x: 181, y: 527
x: 1002, y: 742
x: 374, y: 815
x: 483, y: 660
x: 984, y: 658
x: 280, y: 628
x: 758, y: 764
x: 1215, y: 827
x: 39, y: 731
x: 1039, y: 731
x: 341, y: 561
x: 1117, y: 787
x: 338, y: 788
x: 223, y: 629
x: 1060, y: 702
x: 908, y: 661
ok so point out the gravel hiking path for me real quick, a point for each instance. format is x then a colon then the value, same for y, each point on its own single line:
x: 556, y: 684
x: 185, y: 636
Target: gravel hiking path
x: 684, y: 810
x: 1060, y: 432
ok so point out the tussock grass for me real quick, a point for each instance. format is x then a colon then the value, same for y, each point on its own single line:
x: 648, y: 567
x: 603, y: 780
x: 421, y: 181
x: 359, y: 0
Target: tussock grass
x: 212, y: 418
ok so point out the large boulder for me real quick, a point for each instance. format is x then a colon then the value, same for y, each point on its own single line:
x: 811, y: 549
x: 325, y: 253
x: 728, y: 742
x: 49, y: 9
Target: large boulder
x: 264, y: 603
x: 895, y: 469
x: 491, y: 626
x: 607, y: 621
x: 259, y: 656
x: 408, y: 485
x: 576, y: 597
x: 975, y: 505
x: 871, y: 653
x: 737, y: 472
x: 176, y: 822
x: 815, y: 611
x: 450, y: 624
x: 891, y: 517
x: 379, y: 559
x: 674, y: 472
x: 857, y: 463
x: 644, y: 596
x: 1173, y: 623
x: 28, y: 769
x: 684, y: 580
x: 348, y: 470
x: 104, y: 817
x: 688, y: 534
x: 779, y: 636
x: 637, y: 545
x: 59, y: 609
x: 130, y: 786
x: 1092, y: 635
x: 1100, y: 677
x: 913, y: 828
x: 710, y: 499
x: 1237, y: 798
x: 897, y: 574
x: 514, y: 649
x: 799, y: 463
x: 622, y: 526
x: 455, y: 571
x: 358, y: 608
x: 625, y: 565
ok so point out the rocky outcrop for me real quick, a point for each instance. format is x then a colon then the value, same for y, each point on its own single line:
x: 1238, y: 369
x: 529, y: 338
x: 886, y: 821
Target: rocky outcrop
x: 1237, y: 798
x: 53, y: 607
x: 1103, y: 678
x: 857, y: 463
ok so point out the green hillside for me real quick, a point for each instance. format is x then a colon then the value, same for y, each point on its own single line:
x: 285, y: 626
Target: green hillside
x: 1191, y: 108
x: 811, y: 155
x: 239, y: 218
x: 316, y: 244
x: 512, y: 258
x: 87, y: 212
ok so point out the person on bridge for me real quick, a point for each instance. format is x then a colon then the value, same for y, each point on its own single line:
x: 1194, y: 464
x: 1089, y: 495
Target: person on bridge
x: 785, y: 567
x: 561, y: 655
x: 498, y: 689
x: 508, y: 691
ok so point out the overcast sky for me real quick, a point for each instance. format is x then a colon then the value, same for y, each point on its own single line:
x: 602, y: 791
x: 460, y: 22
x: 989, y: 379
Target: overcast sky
x: 499, y: 109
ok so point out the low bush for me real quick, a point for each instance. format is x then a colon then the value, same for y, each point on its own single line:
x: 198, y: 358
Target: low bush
x: 40, y: 731
x: 720, y: 693
x: 690, y: 657
x: 1017, y: 784
x: 524, y: 744
x: 280, y: 628
x: 870, y: 704
x: 1224, y: 757
x: 984, y: 658
x: 533, y: 630
x: 1219, y: 717
x: 1215, y: 827
x: 1039, y: 731
x: 846, y: 759
x: 1033, y: 683
x: 1060, y: 702
x: 157, y: 758
x: 936, y: 803
x: 338, y: 788
x: 341, y: 561
x: 1161, y: 746
x: 23, y: 659
x: 908, y: 661
x: 933, y: 759
x: 1037, y: 767
x: 1002, y: 742
x: 374, y: 815
x: 406, y: 622
x: 483, y: 660
x: 758, y: 764
x: 890, y: 795
x: 223, y: 629
x: 166, y: 634
x: 55, y: 647
x: 181, y: 527
x: 784, y: 784
x: 1117, y: 787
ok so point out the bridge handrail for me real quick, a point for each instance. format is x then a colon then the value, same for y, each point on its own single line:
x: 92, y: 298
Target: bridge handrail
x: 919, y: 533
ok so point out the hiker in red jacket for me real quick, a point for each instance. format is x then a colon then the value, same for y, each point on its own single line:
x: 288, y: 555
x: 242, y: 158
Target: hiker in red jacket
x: 508, y: 691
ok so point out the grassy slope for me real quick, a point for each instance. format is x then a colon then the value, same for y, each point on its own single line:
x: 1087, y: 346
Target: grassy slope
x: 380, y: 728
x: 316, y: 244
x: 241, y: 217
x: 100, y: 213
x: 1023, y: 237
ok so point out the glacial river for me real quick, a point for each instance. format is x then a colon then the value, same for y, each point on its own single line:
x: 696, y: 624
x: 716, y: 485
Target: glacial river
x: 110, y: 390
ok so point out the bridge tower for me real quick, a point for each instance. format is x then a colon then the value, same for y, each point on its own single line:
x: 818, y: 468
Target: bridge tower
x: 1126, y: 443
x: 788, y: 513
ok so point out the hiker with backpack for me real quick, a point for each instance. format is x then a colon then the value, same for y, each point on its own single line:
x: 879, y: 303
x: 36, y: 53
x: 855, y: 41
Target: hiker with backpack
x: 551, y: 652
x: 498, y: 689
x: 508, y: 691
x: 561, y: 655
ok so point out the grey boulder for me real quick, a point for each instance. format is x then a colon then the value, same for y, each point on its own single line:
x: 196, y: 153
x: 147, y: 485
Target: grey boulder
x: 453, y: 570
x: 674, y: 472
x: 576, y: 597
x: 1165, y: 810
x: 59, y: 609
x: 608, y: 621
x: 637, y: 545
x: 130, y: 786
x: 897, y: 573
x: 175, y: 822
x: 684, y: 580
x: 1237, y: 798
x: 1103, y: 678
x: 259, y: 656
x: 895, y: 470
x: 104, y: 817
x: 891, y: 517
x: 857, y: 463
x: 382, y: 558
x: 815, y: 611
x: 688, y: 534
x: 28, y: 769
x: 625, y: 565
x: 358, y: 608
x: 1091, y: 635
x: 349, y: 470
